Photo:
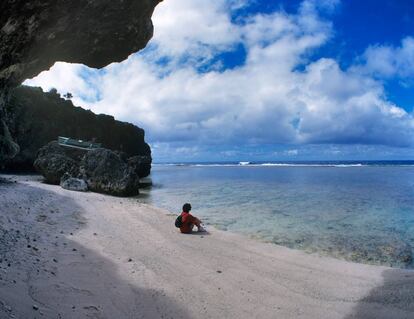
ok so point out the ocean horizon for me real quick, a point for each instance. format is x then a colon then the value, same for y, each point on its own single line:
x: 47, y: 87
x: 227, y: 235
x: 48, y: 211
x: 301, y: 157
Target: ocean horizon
x: 327, y: 163
x: 361, y: 211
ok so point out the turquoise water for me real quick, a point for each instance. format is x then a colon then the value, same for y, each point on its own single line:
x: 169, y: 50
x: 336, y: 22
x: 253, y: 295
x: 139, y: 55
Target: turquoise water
x: 359, y: 213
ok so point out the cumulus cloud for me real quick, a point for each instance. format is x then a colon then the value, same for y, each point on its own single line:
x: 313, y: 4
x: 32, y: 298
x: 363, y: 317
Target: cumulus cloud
x: 193, y: 31
x: 346, y: 107
x: 67, y: 77
x: 266, y: 99
x: 388, y: 61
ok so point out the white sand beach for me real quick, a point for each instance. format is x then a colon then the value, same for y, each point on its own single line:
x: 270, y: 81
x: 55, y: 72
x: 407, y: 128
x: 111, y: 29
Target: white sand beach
x: 85, y: 255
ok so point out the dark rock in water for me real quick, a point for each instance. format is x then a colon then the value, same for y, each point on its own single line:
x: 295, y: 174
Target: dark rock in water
x: 53, y: 163
x: 145, y: 182
x: 141, y: 165
x: 31, y: 106
x: 35, y: 34
x: 73, y: 184
x: 105, y: 172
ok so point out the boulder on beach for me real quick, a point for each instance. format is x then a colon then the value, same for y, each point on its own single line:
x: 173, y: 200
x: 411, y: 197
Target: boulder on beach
x: 73, y: 184
x: 52, y: 162
x: 105, y: 172
x: 99, y: 170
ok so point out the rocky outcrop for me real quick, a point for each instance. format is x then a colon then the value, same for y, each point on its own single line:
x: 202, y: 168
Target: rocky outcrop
x: 52, y: 162
x: 105, y: 172
x: 35, y: 34
x: 7, y: 145
x: 140, y: 164
x: 99, y: 170
x: 32, y: 108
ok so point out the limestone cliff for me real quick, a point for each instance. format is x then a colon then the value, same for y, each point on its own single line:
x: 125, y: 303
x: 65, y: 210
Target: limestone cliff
x: 39, y: 117
x: 35, y: 34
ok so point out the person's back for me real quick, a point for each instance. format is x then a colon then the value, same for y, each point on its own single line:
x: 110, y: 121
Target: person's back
x: 189, y: 221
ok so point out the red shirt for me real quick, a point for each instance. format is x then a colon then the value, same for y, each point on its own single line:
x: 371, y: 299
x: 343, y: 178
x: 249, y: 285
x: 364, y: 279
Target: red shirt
x: 188, y: 222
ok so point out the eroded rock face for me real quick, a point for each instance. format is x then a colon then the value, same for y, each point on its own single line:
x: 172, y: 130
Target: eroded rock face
x: 52, y: 162
x: 7, y: 144
x: 100, y: 170
x: 32, y: 108
x: 141, y: 165
x: 105, y: 172
x: 35, y: 34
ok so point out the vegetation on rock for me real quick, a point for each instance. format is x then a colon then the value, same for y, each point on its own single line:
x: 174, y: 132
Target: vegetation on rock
x: 40, y: 117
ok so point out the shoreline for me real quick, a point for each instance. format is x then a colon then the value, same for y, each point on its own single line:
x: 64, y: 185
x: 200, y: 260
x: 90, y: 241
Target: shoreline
x: 88, y: 255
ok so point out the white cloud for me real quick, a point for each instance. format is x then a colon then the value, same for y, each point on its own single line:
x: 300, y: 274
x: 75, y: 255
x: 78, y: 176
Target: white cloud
x: 194, y: 29
x: 346, y: 107
x: 387, y: 61
x: 324, y: 5
x: 66, y: 77
x: 265, y: 100
x: 291, y: 152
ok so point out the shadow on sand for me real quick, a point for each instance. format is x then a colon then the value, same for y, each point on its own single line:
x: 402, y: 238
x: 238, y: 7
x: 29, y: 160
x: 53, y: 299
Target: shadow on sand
x: 393, y: 299
x: 63, y: 278
x: 200, y: 234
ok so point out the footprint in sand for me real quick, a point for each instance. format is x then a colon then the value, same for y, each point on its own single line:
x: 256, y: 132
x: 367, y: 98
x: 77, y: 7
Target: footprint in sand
x: 92, y: 312
x: 41, y: 218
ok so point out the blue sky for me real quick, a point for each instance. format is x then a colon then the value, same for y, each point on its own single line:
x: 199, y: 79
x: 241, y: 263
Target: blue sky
x: 357, y: 25
x: 263, y: 80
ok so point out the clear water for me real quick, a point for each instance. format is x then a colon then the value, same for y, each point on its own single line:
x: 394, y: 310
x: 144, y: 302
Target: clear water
x: 363, y: 213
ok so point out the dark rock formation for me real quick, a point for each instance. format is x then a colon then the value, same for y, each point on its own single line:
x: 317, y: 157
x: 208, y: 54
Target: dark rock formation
x: 35, y: 34
x: 52, y: 162
x: 99, y: 170
x: 32, y: 108
x: 141, y: 165
x: 105, y: 172
x: 7, y: 145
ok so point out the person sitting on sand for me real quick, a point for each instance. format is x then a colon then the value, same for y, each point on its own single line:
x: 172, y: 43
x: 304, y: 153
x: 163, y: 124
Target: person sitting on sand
x: 188, y: 221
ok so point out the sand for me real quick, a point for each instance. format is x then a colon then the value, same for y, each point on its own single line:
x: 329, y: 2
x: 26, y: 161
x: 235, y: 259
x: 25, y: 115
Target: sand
x: 85, y: 255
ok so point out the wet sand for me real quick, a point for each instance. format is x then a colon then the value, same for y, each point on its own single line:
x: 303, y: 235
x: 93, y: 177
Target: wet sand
x: 85, y: 255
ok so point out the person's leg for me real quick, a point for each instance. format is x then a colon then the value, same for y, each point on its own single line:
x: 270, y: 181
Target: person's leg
x: 197, y: 222
x: 200, y: 228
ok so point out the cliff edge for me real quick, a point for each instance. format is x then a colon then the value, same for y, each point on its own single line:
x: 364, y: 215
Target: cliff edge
x: 37, y: 118
x: 35, y: 34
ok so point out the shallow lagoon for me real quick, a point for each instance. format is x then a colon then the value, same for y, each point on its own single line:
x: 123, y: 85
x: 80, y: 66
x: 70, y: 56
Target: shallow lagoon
x: 359, y: 213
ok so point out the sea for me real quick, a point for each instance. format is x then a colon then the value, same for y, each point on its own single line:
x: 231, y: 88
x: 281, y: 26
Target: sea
x: 361, y: 211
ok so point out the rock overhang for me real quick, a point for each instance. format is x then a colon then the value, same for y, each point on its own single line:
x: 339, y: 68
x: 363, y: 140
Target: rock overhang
x: 36, y: 34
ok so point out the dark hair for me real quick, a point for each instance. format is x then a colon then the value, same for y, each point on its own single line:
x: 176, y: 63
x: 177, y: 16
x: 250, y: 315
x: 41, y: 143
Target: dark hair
x: 186, y: 207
